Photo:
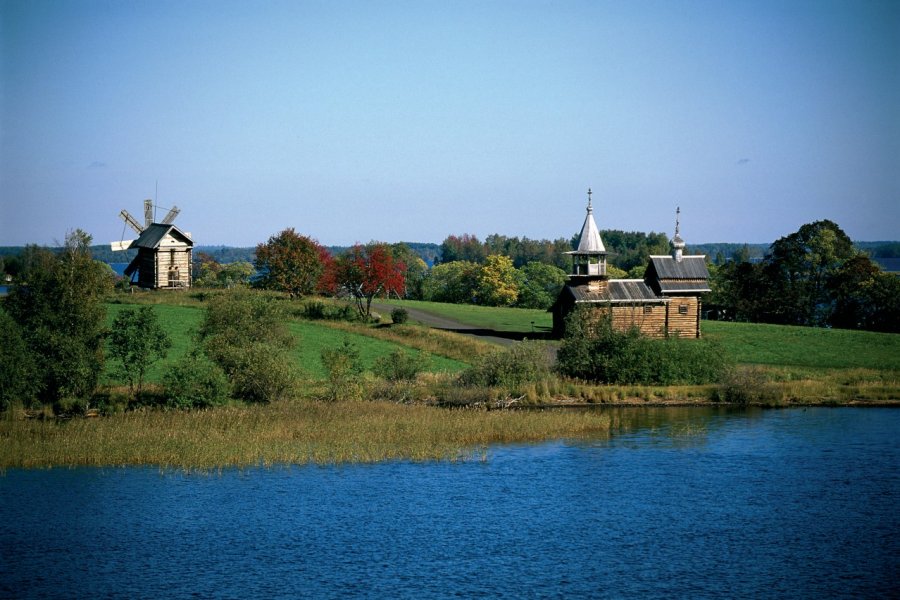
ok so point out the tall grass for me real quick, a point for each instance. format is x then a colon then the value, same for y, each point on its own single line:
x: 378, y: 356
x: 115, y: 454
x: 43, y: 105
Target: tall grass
x: 282, y: 433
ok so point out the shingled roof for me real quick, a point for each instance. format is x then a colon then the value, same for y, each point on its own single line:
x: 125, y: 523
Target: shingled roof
x: 617, y: 291
x: 154, y: 234
x: 589, y: 241
x: 678, y: 276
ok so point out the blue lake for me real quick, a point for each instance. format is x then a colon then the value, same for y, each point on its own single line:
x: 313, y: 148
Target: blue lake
x: 678, y: 503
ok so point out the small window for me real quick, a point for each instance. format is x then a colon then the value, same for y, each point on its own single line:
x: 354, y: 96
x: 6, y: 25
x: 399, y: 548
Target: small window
x: 648, y: 309
x: 682, y: 309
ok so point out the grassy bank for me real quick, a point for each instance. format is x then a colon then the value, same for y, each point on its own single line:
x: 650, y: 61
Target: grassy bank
x: 182, y: 319
x: 485, y: 317
x: 282, y: 433
x: 788, y: 364
x: 806, y: 347
x: 780, y: 365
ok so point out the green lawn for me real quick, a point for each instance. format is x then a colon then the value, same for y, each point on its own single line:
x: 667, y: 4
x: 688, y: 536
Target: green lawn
x: 780, y: 345
x: 314, y: 337
x: 182, y: 322
x: 485, y: 317
x: 748, y: 343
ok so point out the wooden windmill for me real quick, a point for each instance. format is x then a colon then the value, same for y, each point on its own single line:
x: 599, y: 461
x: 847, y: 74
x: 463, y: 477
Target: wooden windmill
x: 164, y: 252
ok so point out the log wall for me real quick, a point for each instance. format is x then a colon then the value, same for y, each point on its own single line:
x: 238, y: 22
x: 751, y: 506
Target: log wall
x: 684, y: 317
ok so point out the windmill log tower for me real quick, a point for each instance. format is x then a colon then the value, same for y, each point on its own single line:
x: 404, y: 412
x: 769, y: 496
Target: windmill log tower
x: 164, y: 252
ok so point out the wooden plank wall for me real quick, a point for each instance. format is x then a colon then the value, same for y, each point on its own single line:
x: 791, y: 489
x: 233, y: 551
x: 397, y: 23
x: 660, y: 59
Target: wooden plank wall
x: 172, y: 258
x: 684, y: 324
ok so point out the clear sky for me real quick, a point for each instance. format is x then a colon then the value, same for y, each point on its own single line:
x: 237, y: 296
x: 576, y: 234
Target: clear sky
x: 354, y: 121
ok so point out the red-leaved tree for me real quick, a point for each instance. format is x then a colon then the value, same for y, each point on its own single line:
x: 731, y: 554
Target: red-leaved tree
x: 368, y: 271
x: 291, y: 263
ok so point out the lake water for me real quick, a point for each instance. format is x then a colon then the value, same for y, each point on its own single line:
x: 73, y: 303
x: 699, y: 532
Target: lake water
x: 679, y: 503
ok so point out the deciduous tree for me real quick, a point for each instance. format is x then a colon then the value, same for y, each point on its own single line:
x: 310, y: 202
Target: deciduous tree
x: 58, y: 303
x: 462, y: 247
x: 453, y: 282
x: 497, y: 284
x: 292, y: 263
x: 539, y: 285
x: 365, y: 272
x: 136, y: 341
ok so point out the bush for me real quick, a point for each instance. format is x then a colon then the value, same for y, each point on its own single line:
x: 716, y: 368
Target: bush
x: 748, y: 385
x: 316, y: 310
x: 344, y: 372
x: 595, y: 351
x: 400, y: 365
x: 241, y: 317
x: 520, y: 364
x: 399, y: 315
x: 246, y: 335
x: 195, y: 382
x: 258, y: 372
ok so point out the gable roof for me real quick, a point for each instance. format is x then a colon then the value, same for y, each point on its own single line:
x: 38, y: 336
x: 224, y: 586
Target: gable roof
x: 672, y: 276
x: 154, y: 234
x: 617, y: 291
x: 689, y: 267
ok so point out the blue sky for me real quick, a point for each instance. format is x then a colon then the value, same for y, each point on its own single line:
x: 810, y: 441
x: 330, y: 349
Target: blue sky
x: 353, y: 121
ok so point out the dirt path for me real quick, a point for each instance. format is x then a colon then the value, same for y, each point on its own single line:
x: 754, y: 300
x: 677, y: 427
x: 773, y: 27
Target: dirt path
x: 501, y: 338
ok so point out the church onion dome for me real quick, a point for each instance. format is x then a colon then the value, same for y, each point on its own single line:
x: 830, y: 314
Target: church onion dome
x: 678, y: 243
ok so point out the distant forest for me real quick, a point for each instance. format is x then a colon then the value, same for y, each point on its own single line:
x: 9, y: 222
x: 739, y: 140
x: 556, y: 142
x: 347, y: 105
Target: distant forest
x: 625, y: 249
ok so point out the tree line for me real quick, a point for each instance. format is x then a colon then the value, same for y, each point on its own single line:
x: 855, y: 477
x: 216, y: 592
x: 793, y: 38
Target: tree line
x: 815, y: 277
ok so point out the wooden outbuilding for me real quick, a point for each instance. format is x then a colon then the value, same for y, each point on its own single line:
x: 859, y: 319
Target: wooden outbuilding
x: 164, y: 255
x: 666, y: 302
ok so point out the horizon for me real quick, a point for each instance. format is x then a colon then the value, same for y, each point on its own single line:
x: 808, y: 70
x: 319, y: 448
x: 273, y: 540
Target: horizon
x: 352, y: 121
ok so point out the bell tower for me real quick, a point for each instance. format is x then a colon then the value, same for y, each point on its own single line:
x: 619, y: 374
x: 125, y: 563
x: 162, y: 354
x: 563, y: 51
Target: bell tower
x: 589, y: 260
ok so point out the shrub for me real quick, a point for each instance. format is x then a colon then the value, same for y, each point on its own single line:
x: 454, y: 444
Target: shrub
x: 594, y: 350
x: 344, y: 372
x: 316, y: 310
x: 399, y: 315
x: 246, y: 335
x: 258, y: 372
x: 313, y: 310
x: 400, y: 365
x: 195, y: 382
x: 511, y: 368
x: 748, y: 385
x: 242, y: 317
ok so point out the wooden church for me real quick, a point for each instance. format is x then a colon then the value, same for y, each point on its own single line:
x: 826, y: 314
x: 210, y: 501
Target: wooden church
x: 666, y: 302
x: 164, y: 252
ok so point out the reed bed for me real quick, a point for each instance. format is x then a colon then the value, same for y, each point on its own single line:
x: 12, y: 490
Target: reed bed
x: 297, y: 432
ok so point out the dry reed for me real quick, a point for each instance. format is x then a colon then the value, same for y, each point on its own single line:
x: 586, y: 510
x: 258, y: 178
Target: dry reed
x: 281, y: 433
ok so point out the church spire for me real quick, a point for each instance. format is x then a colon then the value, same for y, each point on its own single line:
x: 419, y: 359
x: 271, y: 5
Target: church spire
x: 590, y: 236
x: 589, y: 259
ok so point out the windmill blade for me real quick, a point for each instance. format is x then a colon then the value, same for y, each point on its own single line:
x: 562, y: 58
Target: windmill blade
x: 148, y: 212
x: 131, y: 221
x: 170, y: 216
x: 119, y: 246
